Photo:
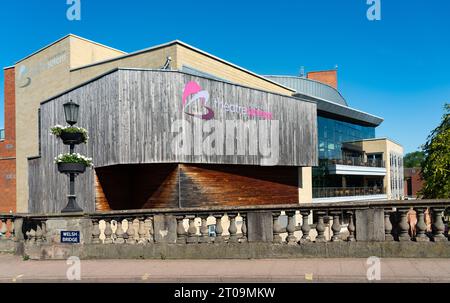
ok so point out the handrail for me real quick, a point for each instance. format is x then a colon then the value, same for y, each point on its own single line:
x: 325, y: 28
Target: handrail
x: 236, y: 209
x: 357, y: 161
x: 326, y: 192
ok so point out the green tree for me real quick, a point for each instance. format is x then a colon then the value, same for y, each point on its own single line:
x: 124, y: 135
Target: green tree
x: 436, y: 165
x: 413, y: 159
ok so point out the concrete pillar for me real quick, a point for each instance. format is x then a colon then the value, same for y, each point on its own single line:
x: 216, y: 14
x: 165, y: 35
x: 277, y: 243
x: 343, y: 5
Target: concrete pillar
x: 370, y: 224
x: 305, y: 185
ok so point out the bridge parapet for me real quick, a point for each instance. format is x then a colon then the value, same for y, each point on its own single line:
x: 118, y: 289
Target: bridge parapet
x: 388, y: 228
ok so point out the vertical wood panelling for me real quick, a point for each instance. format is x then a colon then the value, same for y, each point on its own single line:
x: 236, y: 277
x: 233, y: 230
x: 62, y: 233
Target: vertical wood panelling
x: 129, y: 113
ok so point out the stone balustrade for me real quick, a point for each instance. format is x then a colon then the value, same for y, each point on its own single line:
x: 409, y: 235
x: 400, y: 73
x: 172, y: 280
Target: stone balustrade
x: 290, y: 225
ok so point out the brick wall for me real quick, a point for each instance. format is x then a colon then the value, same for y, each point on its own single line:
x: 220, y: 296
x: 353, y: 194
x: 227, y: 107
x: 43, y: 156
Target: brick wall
x: 413, y: 181
x: 328, y: 77
x: 8, y: 147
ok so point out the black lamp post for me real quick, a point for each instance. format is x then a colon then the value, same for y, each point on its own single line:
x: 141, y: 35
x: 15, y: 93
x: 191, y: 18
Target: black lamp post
x: 71, y: 110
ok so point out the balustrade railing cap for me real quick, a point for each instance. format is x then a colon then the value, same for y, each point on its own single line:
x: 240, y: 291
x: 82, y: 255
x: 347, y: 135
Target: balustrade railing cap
x: 442, y: 203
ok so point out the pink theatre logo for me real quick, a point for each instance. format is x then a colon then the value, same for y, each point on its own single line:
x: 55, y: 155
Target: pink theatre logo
x: 197, y: 96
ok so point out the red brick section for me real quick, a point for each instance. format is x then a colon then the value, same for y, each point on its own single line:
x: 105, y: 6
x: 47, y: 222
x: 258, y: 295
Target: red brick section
x: 413, y: 180
x: 8, y: 147
x: 327, y: 76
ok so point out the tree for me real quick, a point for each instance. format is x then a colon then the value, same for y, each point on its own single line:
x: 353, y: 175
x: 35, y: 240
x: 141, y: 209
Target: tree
x: 414, y: 159
x: 436, y: 165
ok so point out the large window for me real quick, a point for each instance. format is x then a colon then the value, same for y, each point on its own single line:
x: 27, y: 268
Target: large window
x: 332, y: 133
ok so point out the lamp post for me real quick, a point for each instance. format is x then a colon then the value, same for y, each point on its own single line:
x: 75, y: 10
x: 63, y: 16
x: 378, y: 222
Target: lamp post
x: 71, y: 110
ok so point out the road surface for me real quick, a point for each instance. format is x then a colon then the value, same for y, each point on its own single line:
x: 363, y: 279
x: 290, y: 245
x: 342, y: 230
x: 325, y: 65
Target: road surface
x: 15, y: 270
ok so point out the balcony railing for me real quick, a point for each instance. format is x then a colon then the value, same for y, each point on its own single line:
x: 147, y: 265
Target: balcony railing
x: 356, y: 161
x: 329, y: 192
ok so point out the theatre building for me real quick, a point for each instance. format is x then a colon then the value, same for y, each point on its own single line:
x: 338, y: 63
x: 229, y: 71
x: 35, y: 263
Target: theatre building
x: 173, y: 126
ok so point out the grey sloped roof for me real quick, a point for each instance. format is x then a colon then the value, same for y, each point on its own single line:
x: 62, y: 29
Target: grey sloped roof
x: 329, y: 100
x: 311, y: 88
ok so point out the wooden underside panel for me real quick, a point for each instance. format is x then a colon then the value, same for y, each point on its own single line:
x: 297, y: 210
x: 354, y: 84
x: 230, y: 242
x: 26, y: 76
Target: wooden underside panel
x: 173, y: 186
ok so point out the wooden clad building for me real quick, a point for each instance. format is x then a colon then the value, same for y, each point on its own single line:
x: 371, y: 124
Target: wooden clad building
x: 166, y: 138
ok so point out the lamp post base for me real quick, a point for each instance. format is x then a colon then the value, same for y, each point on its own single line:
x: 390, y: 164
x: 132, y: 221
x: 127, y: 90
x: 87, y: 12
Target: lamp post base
x: 72, y: 206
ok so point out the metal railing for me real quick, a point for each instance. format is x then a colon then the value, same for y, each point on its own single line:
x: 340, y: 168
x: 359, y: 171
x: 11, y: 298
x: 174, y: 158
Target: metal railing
x: 329, y: 192
x: 357, y: 161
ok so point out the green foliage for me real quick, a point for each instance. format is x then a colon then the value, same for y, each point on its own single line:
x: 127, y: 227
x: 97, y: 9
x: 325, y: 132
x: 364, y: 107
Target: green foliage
x: 436, y: 166
x: 57, y: 130
x: 73, y: 158
x: 414, y: 159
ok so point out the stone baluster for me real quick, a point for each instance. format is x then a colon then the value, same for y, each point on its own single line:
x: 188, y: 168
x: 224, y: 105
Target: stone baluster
x: 8, y: 233
x: 181, y: 232
x: 9, y: 229
x: 3, y: 228
x: 243, y: 228
x: 38, y: 234
x: 95, y: 232
x: 192, y: 230
x: 149, y: 228
x: 32, y: 236
x: 119, y: 233
x: 44, y: 231
x: 351, y: 227
x: 232, y: 229
x: 290, y: 228
x: 108, y: 232
x: 142, y: 232
x: 438, y: 226
x: 320, y: 226
x: 403, y: 226
x: 336, y: 226
x: 421, y: 227
x: 219, y: 229
x: 388, y: 225
x: 204, y: 238
x: 305, y: 226
x: 130, y: 239
x: 277, y: 230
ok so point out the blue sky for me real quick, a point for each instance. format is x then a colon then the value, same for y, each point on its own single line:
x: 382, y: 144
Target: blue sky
x: 397, y: 68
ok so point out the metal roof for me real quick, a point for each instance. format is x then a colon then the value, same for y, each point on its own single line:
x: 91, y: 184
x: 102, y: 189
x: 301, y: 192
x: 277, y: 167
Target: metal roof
x: 334, y: 110
x: 329, y: 101
x: 310, y: 87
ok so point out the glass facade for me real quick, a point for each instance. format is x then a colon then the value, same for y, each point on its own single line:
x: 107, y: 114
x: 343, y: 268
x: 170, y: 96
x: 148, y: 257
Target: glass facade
x: 332, y: 133
x: 331, y: 137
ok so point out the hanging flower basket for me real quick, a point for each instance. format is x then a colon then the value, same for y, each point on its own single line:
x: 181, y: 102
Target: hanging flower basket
x: 70, y: 134
x: 72, y: 138
x: 71, y: 168
x: 73, y: 163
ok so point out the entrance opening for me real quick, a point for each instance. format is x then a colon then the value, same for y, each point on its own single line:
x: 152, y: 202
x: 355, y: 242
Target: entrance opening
x: 143, y: 186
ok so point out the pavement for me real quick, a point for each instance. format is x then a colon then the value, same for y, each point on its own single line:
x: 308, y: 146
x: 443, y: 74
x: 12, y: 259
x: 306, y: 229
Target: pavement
x: 14, y: 269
